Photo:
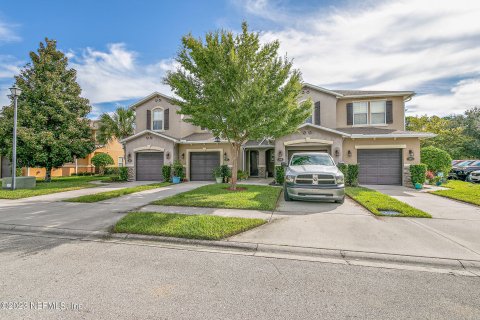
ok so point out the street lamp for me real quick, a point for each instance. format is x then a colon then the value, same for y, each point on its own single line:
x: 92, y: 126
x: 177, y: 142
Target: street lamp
x: 15, y: 92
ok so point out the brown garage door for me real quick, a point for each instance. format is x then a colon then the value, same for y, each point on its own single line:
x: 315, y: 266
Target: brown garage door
x: 202, y: 165
x: 149, y: 166
x: 380, y: 166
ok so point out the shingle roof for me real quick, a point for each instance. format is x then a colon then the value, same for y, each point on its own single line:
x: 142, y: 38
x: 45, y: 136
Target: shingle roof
x: 376, y: 131
x: 199, y: 137
x: 369, y: 92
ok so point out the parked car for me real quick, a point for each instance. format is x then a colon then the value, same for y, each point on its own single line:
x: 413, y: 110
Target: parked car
x: 464, y: 171
x: 460, y: 165
x: 475, y: 176
x: 313, y: 176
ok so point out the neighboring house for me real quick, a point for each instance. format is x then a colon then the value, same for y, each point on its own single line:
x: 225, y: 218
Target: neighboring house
x: 114, y: 149
x: 364, y: 127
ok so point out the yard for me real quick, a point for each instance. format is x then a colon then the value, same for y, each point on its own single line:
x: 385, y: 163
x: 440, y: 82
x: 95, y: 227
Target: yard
x: 116, y: 193
x: 59, y: 184
x: 218, y: 196
x: 376, y: 202
x: 462, y: 191
x: 184, y: 226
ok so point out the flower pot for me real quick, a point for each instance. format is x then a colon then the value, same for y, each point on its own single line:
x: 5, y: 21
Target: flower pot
x: 219, y: 179
x: 176, y: 179
x: 418, y: 186
x: 439, y: 183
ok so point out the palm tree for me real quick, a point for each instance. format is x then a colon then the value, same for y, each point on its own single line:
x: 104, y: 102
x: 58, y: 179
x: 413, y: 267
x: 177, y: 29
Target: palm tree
x: 118, y: 125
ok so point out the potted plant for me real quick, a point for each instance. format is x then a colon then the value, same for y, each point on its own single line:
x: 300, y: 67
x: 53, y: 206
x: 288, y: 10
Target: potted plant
x: 177, y: 172
x: 217, y: 173
x: 418, y: 173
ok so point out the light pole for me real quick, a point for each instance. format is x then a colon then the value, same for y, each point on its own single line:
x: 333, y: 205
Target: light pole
x: 15, y: 92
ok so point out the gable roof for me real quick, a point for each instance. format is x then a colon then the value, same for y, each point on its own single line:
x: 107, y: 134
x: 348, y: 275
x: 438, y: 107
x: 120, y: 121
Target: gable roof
x: 150, y: 96
x: 343, y: 94
x: 374, y: 132
x: 343, y: 134
x: 151, y: 132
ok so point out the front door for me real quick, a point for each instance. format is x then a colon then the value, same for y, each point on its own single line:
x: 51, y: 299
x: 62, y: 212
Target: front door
x: 254, y: 163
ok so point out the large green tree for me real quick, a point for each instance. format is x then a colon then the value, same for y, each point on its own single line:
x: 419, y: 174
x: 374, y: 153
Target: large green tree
x: 118, y: 125
x: 238, y: 88
x: 52, y: 123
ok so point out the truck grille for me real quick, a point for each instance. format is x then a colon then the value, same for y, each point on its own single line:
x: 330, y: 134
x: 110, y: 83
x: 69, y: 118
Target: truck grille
x: 320, y: 179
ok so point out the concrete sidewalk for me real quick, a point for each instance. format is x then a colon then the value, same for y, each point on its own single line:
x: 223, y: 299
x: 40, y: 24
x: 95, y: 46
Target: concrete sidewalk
x: 97, y: 216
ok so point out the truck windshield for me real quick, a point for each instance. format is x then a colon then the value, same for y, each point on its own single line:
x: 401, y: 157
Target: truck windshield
x: 311, y: 159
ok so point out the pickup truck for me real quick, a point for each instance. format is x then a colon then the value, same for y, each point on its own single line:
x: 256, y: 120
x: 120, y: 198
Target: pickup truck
x: 313, y: 176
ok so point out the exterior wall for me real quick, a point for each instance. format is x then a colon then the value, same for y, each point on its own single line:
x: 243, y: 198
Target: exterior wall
x: 148, y: 143
x: 328, y: 105
x: 406, y: 144
x: 398, y: 106
x: 185, y: 149
x: 306, y: 134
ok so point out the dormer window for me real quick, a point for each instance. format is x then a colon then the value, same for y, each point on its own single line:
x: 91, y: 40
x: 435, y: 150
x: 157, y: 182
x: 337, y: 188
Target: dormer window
x: 157, y: 119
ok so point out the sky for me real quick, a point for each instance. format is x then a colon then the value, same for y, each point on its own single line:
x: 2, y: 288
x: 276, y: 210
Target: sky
x: 122, y: 49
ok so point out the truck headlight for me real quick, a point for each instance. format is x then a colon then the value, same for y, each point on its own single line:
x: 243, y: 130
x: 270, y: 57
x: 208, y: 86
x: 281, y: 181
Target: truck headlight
x: 289, y: 178
x: 339, y: 179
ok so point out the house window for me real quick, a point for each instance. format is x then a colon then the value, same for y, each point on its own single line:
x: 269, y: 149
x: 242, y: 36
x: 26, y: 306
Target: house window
x: 309, y: 119
x: 120, y: 161
x: 360, y: 113
x: 377, y: 112
x: 157, y: 119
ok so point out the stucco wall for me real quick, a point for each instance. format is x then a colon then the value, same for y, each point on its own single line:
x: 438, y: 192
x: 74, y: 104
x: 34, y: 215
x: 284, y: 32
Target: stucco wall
x: 389, y: 143
x: 328, y: 103
x: 398, y: 107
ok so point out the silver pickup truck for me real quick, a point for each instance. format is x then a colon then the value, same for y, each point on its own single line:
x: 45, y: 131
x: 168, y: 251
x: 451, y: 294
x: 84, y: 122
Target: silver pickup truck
x: 313, y: 176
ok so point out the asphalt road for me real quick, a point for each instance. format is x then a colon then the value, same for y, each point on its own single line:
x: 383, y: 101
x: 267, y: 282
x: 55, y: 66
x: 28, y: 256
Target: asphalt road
x: 51, y: 278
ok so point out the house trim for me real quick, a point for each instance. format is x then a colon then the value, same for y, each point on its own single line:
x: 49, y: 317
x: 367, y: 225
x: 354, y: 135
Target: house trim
x: 148, y: 131
x: 307, y: 140
x: 381, y: 146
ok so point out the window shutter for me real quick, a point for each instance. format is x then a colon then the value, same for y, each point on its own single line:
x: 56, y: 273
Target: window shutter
x: 316, y: 113
x: 166, y: 119
x: 389, y: 111
x: 149, y: 120
x: 349, y: 114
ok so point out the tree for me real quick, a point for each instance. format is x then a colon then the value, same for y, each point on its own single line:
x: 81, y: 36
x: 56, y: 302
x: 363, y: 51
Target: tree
x: 237, y: 88
x: 118, y: 126
x: 101, y: 160
x: 52, y: 123
x: 436, y: 160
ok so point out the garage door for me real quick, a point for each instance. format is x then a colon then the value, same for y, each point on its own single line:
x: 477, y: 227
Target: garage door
x: 382, y: 166
x: 202, y: 165
x: 149, y: 166
x: 291, y: 152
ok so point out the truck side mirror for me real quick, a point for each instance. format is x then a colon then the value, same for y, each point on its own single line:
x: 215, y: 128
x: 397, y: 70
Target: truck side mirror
x: 284, y: 164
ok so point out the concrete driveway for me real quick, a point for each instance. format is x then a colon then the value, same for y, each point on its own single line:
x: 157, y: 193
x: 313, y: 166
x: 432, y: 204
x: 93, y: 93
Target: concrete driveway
x: 350, y: 227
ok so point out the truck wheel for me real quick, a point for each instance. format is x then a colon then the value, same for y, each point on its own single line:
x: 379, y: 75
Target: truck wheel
x: 285, y: 195
x: 340, y: 201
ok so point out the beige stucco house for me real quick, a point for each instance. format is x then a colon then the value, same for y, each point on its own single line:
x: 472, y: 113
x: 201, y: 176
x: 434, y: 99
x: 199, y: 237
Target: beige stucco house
x: 364, y: 127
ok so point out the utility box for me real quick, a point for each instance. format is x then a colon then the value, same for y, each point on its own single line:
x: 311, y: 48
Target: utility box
x: 21, y: 182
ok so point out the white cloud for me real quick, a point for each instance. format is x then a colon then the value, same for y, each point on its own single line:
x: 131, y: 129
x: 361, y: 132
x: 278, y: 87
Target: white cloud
x: 116, y: 75
x: 7, y: 33
x: 391, y: 45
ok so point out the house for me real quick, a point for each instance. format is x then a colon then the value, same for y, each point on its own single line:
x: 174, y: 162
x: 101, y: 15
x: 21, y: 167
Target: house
x: 353, y: 126
x: 113, y: 148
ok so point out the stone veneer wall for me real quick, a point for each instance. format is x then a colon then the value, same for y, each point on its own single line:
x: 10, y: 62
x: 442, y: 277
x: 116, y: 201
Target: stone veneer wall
x: 407, y: 177
x: 131, y: 173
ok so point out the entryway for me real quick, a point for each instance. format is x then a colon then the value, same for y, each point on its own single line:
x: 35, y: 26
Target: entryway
x: 253, y: 163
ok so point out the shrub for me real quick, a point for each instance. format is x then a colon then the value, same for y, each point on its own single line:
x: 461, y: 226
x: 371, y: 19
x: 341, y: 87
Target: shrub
x: 343, y: 167
x: 101, y: 160
x: 437, y: 160
x: 112, y: 171
x: 123, y: 173
x: 418, y: 173
x: 279, y: 174
x: 217, y: 172
x: 226, y: 172
x: 242, y: 175
x: 166, y: 172
x: 351, y: 178
x: 178, y: 169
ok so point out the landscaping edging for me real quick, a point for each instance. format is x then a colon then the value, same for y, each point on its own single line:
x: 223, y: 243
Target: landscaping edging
x: 338, y: 256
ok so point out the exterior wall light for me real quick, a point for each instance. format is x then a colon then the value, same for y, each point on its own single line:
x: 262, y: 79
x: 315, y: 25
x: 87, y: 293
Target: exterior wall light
x: 349, y: 153
x: 337, y: 153
x: 225, y: 157
x: 129, y: 157
x: 217, y: 140
x: 168, y: 155
x: 183, y: 156
x: 410, y: 155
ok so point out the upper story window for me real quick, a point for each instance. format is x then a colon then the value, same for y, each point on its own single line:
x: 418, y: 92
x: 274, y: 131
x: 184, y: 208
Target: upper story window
x: 360, y: 113
x: 157, y: 119
x: 378, y: 112
x: 309, y: 119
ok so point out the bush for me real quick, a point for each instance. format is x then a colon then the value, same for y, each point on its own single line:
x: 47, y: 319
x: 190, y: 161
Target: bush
x: 112, y: 171
x: 178, y: 169
x: 437, y: 160
x: 166, y: 172
x: 418, y: 173
x: 123, y: 173
x: 351, y: 179
x: 101, y: 160
x: 343, y: 167
x: 242, y: 175
x: 226, y: 172
x: 279, y: 174
x: 217, y: 172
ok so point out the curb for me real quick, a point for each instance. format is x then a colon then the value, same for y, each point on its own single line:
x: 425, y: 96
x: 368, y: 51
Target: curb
x: 338, y: 256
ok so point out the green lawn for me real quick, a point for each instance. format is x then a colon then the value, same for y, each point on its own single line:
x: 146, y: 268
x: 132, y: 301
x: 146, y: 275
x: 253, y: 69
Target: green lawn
x: 462, y: 191
x: 59, y: 184
x: 116, y: 193
x: 217, y: 196
x: 184, y: 226
x: 375, y: 202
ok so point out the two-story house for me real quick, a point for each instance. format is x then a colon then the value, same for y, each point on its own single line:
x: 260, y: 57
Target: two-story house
x: 364, y: 127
